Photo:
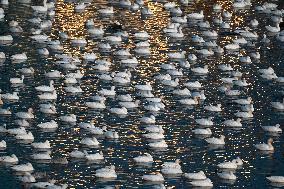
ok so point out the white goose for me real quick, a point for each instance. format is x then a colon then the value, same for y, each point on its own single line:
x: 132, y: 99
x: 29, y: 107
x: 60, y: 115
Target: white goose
x: 146, y: 158
x: 265, y: 147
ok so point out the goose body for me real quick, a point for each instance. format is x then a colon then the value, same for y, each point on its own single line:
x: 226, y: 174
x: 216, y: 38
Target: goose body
x: 264, y: 146
x: 202, y: 183
x: 146, y: 158
x: 206, y: 131
x: 158, y: 177
x: 276, y: 179
x: 273, y: 129
x: 23, y: 167
x: 90, y: 141
x: 195, y: 176
x: 9, y: 159
x: 217, y: 141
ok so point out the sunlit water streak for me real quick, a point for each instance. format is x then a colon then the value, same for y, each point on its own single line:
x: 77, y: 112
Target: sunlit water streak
x: 177, y: 120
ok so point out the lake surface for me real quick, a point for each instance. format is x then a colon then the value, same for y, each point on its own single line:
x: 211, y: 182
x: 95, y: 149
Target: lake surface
x: 177, y: 121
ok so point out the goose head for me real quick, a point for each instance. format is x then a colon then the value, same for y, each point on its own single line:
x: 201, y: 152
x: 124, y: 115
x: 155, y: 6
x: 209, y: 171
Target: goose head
x: 239, y: 120
x: 30, y: 110
x: 269, y: 141
x: 277, y: 125
x: 153, y: 117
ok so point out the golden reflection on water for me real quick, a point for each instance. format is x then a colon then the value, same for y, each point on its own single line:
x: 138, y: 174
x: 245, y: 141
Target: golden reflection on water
x: 67, y: 20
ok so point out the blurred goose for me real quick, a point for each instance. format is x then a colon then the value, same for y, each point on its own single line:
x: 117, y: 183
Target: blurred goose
x: 146, y: 158
x: 205, y: 121
x: 158, y: 177
x: 276, y: 179
x: 217, y: 141
x: 48, y: 125
x: 202, y: 183
x: 159, y: 144
x: 212, y: 108
x: 278, y: 105
x: 93, y: 157
x: 17, y: 80
x: 273, y: 129
x: 25, y: 115
x: 9, y: 159
x: 227, y: 175
x: 3, y: 144
x: 41, y: 145
x: 228, y: 165
x: 233, y: 123
x: 206, y: 131
x: 90, y: 141
x: 68, y: 118
x: 195, y: 176
x: 265, y: 147
x: 23, y: 167
x: 107, y: 172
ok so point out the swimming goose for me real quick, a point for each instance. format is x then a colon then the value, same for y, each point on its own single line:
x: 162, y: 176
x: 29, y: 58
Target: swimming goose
x: 45, y: 88
x: 195, y: 176
x: 48, y: 125
x: 217, y: 141
x: 111, y: 134
x: 205, y: 121
x: 276, y: 179
x: 28, y: 136
x: 23, y: 167
x: 158, y: 177
x: 197, y: 16
x: 96, y: 105
x: 182, y: 92
x: 68, y: 118
x: 193, y: 85
x: 159, y: 144
x: 202, y: 183
x: 17, y: 80
x: 213, y: 108
x: 273, y: 29
x: 41, y: 156
x: 200, y: 70
x: 41, y: 145
x: 146, y: 158
x: 13, y: 159
x: 154, y: 136
x: 3, y: 144
x: 227, y: 175
x: 106, y: 92
x: 107, y: 172
x: 93, y: 157
x: 27, y: 71
x: 233, y: 123
x: 206, y: 131
x: 265, y: 147
x: 25, y: 115
x: 278, y: 105
x: 17, y: 131
x: 10, y: 96
x: 228, y: 165
x: 273, y: 129
x: 90, y: 141
x: 119, y: 111
x: 243, y: 101
x: 154, y: 129
x: 189, y: 101
x: 148, y: 120
x: 77, y: 154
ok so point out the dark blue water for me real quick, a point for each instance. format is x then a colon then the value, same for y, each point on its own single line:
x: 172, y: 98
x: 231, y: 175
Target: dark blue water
x: 177, y: 121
